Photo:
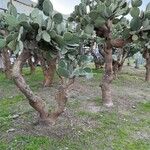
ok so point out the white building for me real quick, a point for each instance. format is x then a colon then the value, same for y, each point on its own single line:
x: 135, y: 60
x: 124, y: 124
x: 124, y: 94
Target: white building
x: 23, y: 6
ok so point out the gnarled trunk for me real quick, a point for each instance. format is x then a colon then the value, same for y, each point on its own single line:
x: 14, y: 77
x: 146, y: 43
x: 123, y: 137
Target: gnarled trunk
x: 146, y: 55
x: 31, y: 65
x: 49, y: 68
x: 35, y: 101
x: 118, y: 64
x: 115, y: 68
x: 147, y: 66
x: 6, y: 57
x: 106, y: 32
x: 120, y: 67
x: 108, y: 76
x: 61, y: 98
x: 7, y: 63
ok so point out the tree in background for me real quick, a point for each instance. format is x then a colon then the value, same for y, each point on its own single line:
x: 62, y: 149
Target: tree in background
x: 101, y: 16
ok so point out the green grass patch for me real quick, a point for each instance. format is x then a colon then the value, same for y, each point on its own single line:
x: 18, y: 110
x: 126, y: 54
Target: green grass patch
x: 5, y: 83
x: 3, y: 145
x: 126, y: 79
x: 98, y: 74
x: 111, y: 132
x: 98, y: 101
x: 34, y: 80
x: 115, y: 131
x: 7, y: 108
x: 103, y: 117
x: 73, y: 104
x: 98, y: 71
x: 85, y: 114
x: 27, y: 143
x: 144, y: 106
x: 129, y: 144
x: 139, y: 144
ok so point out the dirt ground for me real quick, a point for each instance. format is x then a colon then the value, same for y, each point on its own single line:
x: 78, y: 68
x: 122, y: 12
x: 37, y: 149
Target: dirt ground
x: 85, y: 116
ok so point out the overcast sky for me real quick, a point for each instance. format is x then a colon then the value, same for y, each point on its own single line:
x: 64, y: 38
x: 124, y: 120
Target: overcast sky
x: 67, y: 6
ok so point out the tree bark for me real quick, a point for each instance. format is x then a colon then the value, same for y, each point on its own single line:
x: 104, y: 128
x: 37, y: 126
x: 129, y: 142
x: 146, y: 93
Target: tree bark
x: 108, y: 76
x: 6, y: 58
x: 146, y: 55
x: 49, y: 68
x: 35, y: 101
x: 147, y: 66
x: 61, y: 98
x: 118, y: 64
x: 31, y: 65
x: 106, y: 32
x: 115, y: 68
x: 7, y: 63
x: 120, y: 67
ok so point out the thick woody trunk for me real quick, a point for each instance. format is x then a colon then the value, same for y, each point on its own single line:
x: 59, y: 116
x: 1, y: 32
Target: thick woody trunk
x: 120, y: 67
x: 61, y: 99
x: 118, y: 64
x: 115, y: 68
x: 108, y: 77
x: 147, y: 66
x: 35, y: 101
x: 7, y: 63
x: 49, y: 69
x: 146, y: 55
x: 6, y: 58
x: 106, y: 32
x: 31, y: 65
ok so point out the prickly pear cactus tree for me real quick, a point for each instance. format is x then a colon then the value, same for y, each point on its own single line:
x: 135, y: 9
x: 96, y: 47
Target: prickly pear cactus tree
x: 144, y: 36
x: 43, y: 33
x: 99, y: 16
x: 3, y: 36
x: 37, y: 33
x: 140, y: 30
x: 122, y: 30
x: 137, y: 30
x: 146, y: 55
